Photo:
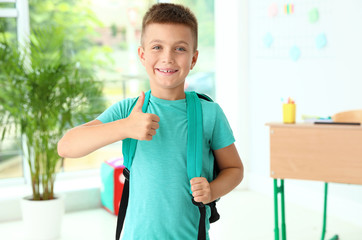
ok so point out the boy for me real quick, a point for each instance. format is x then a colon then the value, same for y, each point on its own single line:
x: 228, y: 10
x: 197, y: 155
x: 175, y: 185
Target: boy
x: 160, y: 205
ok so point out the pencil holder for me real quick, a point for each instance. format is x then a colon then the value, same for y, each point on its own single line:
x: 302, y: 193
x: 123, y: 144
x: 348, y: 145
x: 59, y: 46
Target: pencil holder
x: 289, y: 112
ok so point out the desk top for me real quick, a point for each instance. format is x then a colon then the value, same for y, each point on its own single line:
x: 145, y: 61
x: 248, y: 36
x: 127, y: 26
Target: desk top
x: 329, y: 153
x: 312, y: 125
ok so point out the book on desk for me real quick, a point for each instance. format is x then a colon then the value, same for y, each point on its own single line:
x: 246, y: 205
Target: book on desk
x: 338, y: 123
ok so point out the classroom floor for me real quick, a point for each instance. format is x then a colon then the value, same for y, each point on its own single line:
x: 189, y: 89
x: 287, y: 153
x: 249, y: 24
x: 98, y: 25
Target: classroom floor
x: 245, y: 215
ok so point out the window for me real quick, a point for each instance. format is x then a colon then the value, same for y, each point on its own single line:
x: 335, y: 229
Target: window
x: 11, y: 164
x: 10, y: 158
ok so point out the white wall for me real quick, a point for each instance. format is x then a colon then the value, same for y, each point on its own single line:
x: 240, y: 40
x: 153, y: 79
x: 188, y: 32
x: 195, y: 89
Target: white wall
x: 231, y: 44
x: 252, y: 80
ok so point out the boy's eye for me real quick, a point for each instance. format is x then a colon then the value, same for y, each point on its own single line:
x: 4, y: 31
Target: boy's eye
x: 156, y: 47
x: 180, y: 49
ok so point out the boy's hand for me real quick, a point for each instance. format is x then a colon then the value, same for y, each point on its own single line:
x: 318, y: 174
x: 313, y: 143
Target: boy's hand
x: 201, y: 190
x: 142, y: 126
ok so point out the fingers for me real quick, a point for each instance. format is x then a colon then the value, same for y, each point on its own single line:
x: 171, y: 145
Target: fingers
x: 150, y: 131
x: 155, y: 125
x: 149, y: 135
x: 201, y: 191
x: 139, y: 103
x: 198, y: 183
x: 197, y: 180
x: 151, y: 121
x: 154, y: 117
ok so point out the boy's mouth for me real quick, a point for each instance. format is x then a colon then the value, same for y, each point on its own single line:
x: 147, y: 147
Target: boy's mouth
x: 166, y: 70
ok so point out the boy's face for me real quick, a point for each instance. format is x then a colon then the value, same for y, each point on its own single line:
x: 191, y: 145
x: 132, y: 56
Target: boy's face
x: 167, y: 52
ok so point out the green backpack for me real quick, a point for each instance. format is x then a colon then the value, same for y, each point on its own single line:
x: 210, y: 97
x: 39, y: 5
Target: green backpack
x: 194, y: 159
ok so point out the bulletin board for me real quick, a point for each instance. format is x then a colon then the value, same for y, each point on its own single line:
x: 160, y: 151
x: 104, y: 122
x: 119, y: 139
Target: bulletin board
x: 292, y: 29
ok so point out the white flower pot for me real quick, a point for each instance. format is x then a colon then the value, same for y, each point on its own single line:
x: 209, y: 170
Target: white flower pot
x: 42, y: 219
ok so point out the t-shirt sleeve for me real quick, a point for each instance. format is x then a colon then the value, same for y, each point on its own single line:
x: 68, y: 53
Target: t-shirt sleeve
x: 117, y: 111
x: 222, y: 135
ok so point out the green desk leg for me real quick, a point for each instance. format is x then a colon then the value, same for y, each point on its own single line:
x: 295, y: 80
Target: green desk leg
x: 335, y: 237
x: 325, y: 211
x: 276, y: 212
x: 284, y: 231
x: 277, y: 190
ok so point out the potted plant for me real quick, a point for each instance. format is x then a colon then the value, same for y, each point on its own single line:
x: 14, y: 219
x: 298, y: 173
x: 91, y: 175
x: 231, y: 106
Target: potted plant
x: 43, y: 93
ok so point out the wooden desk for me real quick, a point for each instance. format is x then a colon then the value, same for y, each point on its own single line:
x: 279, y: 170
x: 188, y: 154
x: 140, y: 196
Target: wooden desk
x: 328, y: 153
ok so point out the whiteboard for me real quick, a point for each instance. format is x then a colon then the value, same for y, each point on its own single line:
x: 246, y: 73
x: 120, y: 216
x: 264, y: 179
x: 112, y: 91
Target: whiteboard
x: 323, y: 80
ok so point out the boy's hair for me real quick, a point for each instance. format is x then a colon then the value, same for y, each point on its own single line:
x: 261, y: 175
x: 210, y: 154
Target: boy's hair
x: 170, y: 13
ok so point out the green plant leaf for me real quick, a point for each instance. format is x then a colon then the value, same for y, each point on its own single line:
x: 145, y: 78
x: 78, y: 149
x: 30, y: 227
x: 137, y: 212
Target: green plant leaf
x: 43, y: 99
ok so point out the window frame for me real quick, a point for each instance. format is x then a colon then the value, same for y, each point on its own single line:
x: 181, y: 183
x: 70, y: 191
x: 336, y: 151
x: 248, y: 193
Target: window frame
x: 21, y: 13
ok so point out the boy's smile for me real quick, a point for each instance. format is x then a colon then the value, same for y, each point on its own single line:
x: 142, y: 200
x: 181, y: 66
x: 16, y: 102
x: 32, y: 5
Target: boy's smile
x: 166, y: 71
x: 168, y: 54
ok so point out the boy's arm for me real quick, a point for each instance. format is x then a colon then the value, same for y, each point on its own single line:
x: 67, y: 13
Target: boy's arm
x: 84, y: 139
x: 231, y: 174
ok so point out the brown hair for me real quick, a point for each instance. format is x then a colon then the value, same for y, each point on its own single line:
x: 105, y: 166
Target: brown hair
x: 170, y: 13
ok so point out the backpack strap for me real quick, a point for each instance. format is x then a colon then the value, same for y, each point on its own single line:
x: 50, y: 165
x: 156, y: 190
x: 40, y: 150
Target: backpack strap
x: 194, y: 135
x: 123, y: 204
x: 204, y: 96
x: 194, y: 151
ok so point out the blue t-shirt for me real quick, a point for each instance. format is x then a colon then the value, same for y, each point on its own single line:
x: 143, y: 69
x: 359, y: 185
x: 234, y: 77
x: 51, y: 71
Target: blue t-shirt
x: 160, y: 205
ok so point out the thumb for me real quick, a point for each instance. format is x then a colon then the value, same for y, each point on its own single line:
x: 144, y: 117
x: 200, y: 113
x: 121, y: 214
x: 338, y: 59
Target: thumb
x: 139, y: 103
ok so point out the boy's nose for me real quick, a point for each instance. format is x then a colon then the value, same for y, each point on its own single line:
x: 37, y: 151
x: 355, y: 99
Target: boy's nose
x: 168, y: 57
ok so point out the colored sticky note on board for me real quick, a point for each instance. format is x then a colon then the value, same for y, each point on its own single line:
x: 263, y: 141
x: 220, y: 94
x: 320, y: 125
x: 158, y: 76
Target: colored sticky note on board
x: 294, y: 53
x: 313, y: 15
x: 321, y: 41
x: 273, y: 10
x: 268, y: 40
x: 288, y: 8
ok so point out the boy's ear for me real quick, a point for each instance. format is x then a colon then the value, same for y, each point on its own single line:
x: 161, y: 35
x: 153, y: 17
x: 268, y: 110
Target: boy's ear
x: 141, y: 54
x: 194, y: 59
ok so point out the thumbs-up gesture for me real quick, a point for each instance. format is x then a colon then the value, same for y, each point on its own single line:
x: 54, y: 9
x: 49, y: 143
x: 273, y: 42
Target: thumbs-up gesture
x: 142, y: 126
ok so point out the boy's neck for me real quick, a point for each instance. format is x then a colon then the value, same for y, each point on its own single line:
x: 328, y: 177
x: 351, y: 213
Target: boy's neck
x: 171, y: 94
